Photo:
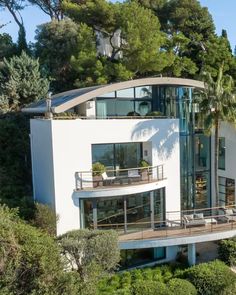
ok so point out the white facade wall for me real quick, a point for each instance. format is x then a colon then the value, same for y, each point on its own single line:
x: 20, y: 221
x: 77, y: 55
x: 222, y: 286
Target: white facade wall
x: 229, y: 132
x: 71, y: 142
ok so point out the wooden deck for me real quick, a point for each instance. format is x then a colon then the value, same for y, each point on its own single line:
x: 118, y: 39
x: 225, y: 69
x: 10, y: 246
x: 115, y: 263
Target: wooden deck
x: 170, y: 232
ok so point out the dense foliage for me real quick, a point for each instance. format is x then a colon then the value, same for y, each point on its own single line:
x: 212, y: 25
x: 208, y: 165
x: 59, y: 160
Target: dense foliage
x: 210, y: 278
x: 161, y: 280
x: 20, y: 83
x: 227, y: 251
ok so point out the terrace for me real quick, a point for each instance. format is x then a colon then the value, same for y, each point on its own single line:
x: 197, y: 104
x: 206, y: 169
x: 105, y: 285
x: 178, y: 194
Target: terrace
x: 204, y: 224
x: 96, y: 180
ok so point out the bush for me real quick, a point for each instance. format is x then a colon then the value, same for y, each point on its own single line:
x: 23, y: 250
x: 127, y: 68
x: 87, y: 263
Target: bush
x: 30, y: 261
x: 45, y: 218
x: 98, y: 168
x: 150, y: 288
x: 181, y: 287
x: 143, y: 163
x: 210, y: 278
x: 227, y: 251
x: 154, y: 114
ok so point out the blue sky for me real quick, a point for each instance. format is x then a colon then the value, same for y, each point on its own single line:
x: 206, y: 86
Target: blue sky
x: 223, y: 13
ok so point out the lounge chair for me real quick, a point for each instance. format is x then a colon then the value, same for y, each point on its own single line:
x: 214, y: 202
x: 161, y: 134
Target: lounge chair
x: 230, y: 214
x: 107, y: 180
x: 196, y: 219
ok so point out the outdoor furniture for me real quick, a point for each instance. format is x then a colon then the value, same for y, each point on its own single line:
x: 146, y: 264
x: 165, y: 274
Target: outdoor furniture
x: 133, y: 175
x: 196, y: 219
x: 230, y: 214
x: 107, y: 180
x: 210, y: 221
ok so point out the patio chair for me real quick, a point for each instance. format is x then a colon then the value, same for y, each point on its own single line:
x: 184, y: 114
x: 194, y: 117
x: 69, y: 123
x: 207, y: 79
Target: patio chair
x: 196, y: 219
x: 133, y: 175
x: 107, y: 180
x: 230, y: 214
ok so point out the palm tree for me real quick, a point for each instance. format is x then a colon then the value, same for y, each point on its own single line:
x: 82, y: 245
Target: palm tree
x: 218, y: 104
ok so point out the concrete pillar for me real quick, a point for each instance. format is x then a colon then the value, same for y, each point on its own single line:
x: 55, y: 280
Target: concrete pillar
x: 191, y: 254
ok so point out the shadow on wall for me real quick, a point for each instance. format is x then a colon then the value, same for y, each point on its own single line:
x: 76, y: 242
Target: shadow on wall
x: 75, y: 199
x: 164, y: 135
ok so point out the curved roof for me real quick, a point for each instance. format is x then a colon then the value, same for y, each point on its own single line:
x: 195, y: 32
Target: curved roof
x: 66, y: 100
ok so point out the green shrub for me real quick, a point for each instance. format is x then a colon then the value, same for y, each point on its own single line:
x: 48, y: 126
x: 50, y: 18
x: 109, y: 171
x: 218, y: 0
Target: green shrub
x: 45, y: 218
x: 210, y: 278
x: 227, y: 251
x: 181, y: 287
x: 98, y: 168
x: 229, y: 290
x: 154, y: 114
x: 143, y: 163
x: 125, y: 280
x: 150, y: 288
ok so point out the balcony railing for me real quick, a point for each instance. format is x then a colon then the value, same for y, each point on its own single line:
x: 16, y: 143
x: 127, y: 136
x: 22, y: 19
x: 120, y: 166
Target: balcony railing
x: 119, y: 177
x: 178, y: 224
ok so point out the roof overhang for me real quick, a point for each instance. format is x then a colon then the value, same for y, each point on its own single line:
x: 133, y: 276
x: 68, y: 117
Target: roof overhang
x: 79, y: 96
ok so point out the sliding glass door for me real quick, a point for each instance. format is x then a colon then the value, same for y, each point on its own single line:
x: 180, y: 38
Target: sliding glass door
x: 125, y: 213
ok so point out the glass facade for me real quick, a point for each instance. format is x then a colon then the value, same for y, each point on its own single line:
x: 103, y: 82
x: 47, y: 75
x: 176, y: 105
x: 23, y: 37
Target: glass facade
x: 174, y: 102
x: 127, y: 102
x: 136, y: 257
x: 226, y: 191
x: 117, y: 156
x: 125, y: 213
x: 221, y: 163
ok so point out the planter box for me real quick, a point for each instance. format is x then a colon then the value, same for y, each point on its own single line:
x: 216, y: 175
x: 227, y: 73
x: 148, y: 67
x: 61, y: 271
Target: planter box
x: 97, y: 181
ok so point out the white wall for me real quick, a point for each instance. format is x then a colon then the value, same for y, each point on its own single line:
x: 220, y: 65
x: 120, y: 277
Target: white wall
x: 229, y: 132
x: 71, y: 145
x: 42, y: 161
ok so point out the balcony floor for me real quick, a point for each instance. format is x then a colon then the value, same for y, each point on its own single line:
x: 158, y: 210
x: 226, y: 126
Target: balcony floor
x: 177, y: 231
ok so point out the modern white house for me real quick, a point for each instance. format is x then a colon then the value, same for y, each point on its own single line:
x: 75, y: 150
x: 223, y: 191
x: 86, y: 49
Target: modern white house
x: 132, y: 156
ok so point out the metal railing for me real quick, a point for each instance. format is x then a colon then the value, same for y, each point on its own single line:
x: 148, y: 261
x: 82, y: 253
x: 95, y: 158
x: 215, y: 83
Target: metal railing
x: 119, y: 177
x: 74, y: 116
x: 215, y: 219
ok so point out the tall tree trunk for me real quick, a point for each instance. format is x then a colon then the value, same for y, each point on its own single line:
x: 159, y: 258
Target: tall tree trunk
x: 216, y: 160
x: 13, y: 13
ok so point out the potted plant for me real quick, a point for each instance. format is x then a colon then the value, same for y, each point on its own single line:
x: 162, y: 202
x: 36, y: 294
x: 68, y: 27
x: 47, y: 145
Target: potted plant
x: 144, y: 165
x: 97, y: 168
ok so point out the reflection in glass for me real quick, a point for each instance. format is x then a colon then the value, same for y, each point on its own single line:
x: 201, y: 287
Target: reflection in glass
x: 87, y: 214
x: 125, y: 93
x: 202, y: 190
x: 143, y: 107
x: 144, y: 92
x: 124, y: 107
x: 202, y: 152
x: 226, y: 191
x: 138, y: 211
x: 103, y: 153
x: 110, y: 211
x: 221, y: 153
x: 124, y: 213
x: 117, y: 156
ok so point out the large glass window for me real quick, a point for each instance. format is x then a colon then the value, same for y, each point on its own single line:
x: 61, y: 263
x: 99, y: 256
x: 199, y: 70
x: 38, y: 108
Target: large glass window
x: 202, y: 190
x: 109, y: 212
x: 125, y: 213
x: 222, y: 153
x: 105, y: 154
x: 226, y: 191
x: 126, y: 102
x: 135, y: 257
x: 202, y: 152
x: 117, y: 156
x: 138, y: 211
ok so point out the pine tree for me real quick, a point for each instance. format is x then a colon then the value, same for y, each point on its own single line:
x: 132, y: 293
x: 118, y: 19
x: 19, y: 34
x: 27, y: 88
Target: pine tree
x: 21, y: 83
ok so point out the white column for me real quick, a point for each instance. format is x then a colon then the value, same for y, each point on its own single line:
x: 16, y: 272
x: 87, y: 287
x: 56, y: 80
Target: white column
x: 191, y: 254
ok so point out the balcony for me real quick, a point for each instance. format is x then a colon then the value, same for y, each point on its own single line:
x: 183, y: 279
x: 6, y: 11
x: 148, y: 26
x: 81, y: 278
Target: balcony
x: 193, y: 226
x: 111, y: 179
